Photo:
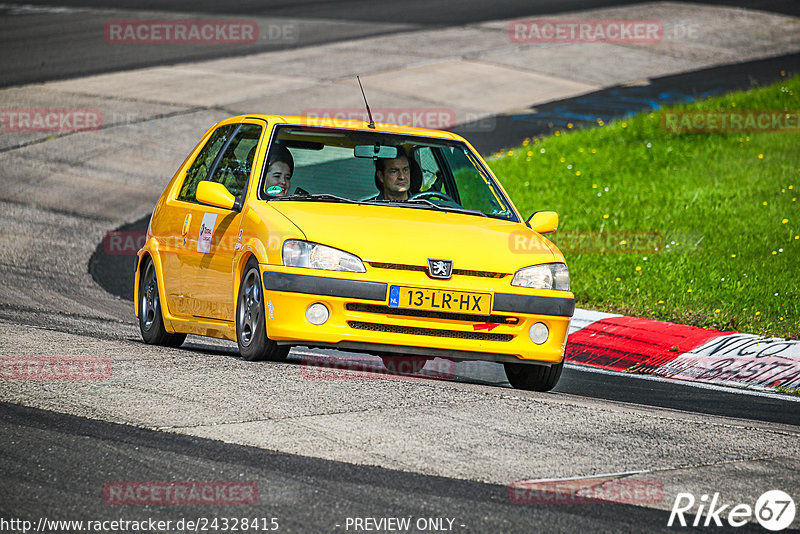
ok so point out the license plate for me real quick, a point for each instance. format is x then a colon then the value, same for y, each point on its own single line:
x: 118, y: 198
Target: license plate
x: 439, y: 300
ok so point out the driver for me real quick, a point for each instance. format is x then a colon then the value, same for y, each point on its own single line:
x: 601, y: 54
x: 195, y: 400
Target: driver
x: 393, y: 177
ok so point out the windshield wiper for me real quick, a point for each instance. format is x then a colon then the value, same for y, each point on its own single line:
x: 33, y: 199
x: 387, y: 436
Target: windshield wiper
x: 446, y: 208
x: 423, y: 201
x: 417, y: 203
x: 322, y: 196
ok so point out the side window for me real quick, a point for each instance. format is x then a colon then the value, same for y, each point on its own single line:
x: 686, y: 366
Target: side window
x: 233, y: 169
x: 474, y: 189
x: 203, y: 162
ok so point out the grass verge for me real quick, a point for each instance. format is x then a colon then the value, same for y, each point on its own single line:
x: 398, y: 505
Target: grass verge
x: 700, y: 229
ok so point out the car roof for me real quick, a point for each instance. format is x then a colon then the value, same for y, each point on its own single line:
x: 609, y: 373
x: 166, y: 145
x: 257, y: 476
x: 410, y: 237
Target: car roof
x: 353, y: 125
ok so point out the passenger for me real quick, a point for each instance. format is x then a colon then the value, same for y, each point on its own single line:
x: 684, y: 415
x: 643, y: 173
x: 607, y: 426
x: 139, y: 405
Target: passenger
x: 279, y: 170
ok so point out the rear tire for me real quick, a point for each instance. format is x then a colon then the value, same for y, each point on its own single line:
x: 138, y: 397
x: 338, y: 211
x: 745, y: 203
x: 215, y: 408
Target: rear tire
x: 533, y: 377
x: 151, y: 322
x: 251, y: 328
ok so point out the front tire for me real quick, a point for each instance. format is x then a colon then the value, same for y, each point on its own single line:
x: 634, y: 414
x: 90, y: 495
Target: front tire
x: 251, y: 328
x: 533, y: 377
x: 151, y: 322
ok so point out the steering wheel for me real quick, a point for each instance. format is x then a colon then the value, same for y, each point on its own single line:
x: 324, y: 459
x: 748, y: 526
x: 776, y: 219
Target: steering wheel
x: 429, y: 194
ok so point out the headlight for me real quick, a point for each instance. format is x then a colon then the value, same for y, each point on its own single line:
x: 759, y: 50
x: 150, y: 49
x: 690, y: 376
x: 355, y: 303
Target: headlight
x: 546, y: 276
x: 298, y: 253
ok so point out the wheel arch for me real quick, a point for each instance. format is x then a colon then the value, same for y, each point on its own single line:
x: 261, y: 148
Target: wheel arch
x: 251, y: 249
x: 150, y: 253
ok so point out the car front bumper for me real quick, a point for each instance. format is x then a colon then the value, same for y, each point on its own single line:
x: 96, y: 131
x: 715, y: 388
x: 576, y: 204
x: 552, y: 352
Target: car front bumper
x: 360, y: 318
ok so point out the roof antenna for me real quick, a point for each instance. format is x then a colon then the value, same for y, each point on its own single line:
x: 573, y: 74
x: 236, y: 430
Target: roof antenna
x: 371, y: 122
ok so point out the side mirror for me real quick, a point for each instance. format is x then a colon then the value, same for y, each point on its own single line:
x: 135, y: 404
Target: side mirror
x: 543, y: 222
x: 215, y: 194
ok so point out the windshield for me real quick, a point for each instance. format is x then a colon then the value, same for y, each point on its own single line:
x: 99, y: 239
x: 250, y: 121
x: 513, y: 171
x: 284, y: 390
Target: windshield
x: 336, y: 165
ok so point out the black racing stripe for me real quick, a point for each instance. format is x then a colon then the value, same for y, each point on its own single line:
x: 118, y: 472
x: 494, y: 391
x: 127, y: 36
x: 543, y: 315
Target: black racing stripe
x: 533, y: 304
x: 329, y: 287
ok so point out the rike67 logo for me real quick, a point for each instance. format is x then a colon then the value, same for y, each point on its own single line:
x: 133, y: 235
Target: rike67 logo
x: 774, y: 510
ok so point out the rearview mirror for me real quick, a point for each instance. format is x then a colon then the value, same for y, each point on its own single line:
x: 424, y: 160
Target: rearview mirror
x: 375, y: 151
x: 215, y: 194
x: 543, y: 222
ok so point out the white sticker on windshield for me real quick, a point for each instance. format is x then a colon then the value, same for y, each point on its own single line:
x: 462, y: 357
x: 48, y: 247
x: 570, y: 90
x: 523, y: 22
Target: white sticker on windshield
x: 206, y: 233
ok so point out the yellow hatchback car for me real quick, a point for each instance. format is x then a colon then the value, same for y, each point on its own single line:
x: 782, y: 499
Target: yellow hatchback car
x: 380, y: 239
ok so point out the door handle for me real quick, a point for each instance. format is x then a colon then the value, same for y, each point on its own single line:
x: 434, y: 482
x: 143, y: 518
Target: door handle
x: 186, y: 222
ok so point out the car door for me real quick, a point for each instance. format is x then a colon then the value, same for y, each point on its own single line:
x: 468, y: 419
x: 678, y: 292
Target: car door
x: 214, y: 233
x: 175, y: 218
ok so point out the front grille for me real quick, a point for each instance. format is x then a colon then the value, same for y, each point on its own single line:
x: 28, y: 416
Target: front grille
x: 423, y: 269
x: 407, y: 312
x: 398, y: 266
x: 394, y: 329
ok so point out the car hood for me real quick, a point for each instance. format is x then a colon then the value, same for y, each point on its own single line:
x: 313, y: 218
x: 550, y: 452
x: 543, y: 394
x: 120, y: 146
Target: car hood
x: 410, y: 236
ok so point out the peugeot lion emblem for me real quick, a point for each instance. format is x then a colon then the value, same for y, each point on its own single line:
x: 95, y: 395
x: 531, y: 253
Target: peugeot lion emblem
x: 440, y: 268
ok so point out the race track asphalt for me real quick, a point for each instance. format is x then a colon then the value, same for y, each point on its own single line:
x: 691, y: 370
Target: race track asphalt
x: 58, y: 466
x: 46, y: 40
